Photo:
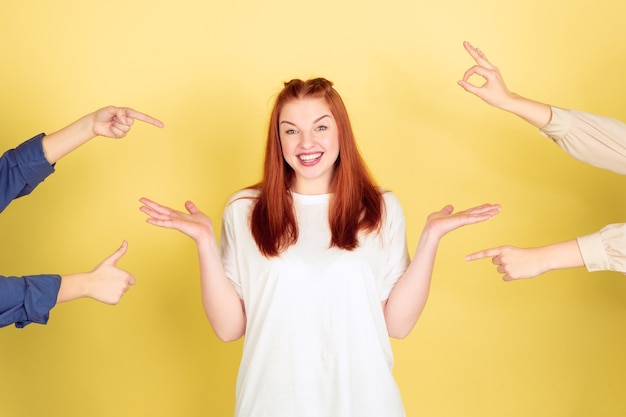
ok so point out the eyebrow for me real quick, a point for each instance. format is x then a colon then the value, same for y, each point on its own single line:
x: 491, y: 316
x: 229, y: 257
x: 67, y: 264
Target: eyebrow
x: 314, y: 121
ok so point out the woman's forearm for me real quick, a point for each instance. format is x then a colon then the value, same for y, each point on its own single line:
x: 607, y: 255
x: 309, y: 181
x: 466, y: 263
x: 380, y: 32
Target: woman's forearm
x: 222, y: 305
x: 408, y: 297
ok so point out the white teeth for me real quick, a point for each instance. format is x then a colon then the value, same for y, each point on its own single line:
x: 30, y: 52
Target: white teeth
x: 309, y: 157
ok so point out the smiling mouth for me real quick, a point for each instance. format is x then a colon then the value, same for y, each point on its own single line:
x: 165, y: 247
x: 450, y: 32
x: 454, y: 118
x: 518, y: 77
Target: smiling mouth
x: 310, y: 157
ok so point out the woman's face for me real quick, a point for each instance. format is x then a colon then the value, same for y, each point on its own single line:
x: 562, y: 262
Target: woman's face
x: 309, y: 138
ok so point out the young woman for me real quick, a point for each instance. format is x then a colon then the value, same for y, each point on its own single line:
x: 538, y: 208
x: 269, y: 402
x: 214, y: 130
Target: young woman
x: 314, y: 268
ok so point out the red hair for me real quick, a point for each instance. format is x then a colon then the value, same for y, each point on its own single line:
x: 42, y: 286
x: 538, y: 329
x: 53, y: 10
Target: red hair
x: 356, y: 204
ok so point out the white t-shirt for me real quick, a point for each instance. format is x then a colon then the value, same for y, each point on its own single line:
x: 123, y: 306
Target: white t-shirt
x: 316, y: 342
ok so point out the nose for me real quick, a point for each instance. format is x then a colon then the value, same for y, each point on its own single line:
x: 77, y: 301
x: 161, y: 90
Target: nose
x: 307, y: 140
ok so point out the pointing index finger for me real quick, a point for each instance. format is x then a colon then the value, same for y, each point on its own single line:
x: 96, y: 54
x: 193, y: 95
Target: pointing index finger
x: 143, y: 117
x: 487, y: 253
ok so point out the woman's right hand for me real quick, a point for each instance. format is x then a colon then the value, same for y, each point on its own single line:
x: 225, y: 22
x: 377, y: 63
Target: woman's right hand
x: 194, y: 224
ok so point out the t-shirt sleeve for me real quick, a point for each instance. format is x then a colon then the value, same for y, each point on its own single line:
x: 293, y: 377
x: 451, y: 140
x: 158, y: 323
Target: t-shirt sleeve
x: 229, y: 250
x: 394, y: 241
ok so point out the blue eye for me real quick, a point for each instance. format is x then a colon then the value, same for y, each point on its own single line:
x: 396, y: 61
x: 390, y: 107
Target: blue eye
x: 321, y: 128
x: 290, y: 131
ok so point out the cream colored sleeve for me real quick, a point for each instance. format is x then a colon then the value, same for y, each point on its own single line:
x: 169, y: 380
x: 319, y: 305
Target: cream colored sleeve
x: 597, y: 140
x: 605, y: 250
x: 601, y: 142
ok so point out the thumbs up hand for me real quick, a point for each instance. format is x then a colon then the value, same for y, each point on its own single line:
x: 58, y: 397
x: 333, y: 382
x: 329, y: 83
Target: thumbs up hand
x: 107, y: 283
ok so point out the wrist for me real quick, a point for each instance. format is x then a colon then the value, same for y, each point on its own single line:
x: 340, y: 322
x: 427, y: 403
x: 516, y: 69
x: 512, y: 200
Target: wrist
x: 205, y: 242
x: 536, y: 113
x: 88, y: 126
x: 430, y: 236
x: 73, y: 286
x: 513, y: 103
x: 564, y: 255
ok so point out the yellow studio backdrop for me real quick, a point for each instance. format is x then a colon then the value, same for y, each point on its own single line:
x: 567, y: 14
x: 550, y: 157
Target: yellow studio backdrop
x: 551, y: 346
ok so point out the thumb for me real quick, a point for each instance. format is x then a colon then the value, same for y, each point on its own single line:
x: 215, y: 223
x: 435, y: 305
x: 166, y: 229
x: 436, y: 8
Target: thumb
x: 191, y: 207
x: 447, y: 209
x: 117, y: 255
x: 465, y: 85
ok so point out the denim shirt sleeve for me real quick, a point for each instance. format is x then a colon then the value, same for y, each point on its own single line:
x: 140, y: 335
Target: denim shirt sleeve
x: 22, y: 169
x: 29, y: 299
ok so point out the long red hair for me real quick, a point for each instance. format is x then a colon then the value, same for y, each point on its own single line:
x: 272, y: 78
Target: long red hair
x: 356, y: 204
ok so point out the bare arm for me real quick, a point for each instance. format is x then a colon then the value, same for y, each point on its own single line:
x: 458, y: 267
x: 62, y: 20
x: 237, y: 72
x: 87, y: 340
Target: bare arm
x: 495, y: 93
x: 222, y: 304
x: 408, y: 297
x: 112, y: 122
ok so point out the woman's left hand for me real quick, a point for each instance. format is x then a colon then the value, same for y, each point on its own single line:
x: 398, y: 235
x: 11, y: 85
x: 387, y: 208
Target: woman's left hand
x: 446, y: 220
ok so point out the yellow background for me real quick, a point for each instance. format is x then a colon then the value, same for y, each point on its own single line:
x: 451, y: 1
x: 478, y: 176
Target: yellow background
x: 552, y: 346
